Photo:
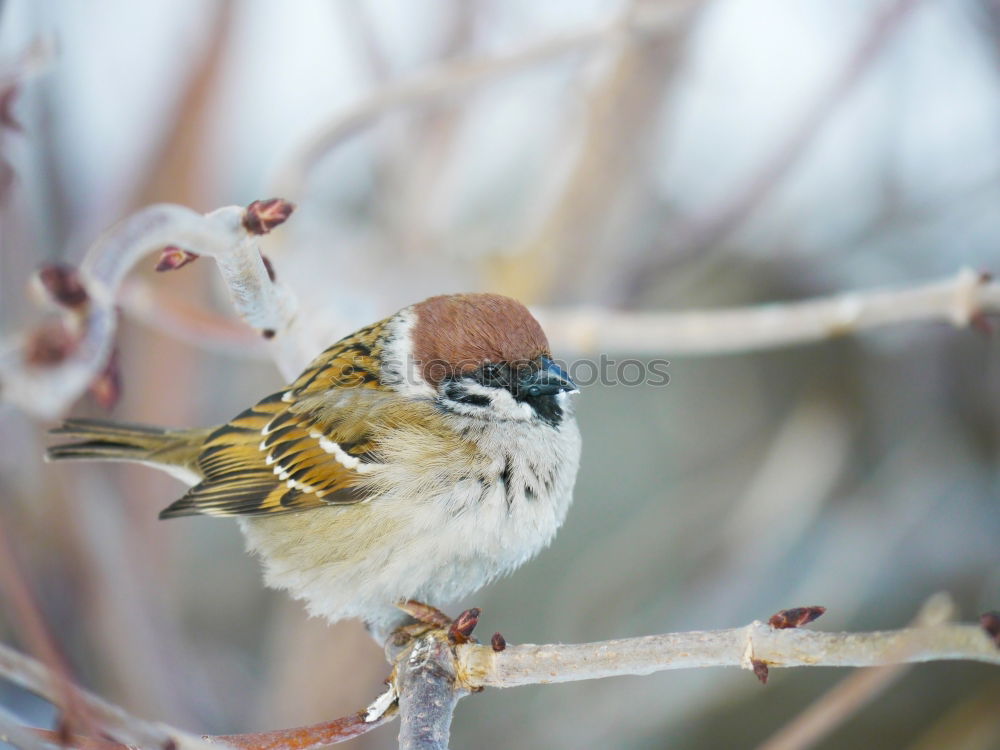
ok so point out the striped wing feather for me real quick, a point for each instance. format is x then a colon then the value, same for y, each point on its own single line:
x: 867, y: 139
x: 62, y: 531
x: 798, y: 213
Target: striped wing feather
x: 308, y: 446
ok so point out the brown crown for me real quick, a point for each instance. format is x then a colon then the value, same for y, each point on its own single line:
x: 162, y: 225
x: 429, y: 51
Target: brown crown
x: 458, y: 332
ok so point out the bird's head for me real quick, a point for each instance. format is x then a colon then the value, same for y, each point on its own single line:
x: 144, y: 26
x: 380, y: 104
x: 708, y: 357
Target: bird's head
x: 485, y: 356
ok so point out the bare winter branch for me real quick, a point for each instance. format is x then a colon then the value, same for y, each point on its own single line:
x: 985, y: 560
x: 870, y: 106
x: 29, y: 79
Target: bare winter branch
x: 433, y: 673
x: 33, y: 676
x: 428, y: 689
x: 854, y: 691
x: 714, y: 227
x: 959, y: 300
x: 43, y: 375
x: 311, y: 737
x: 738, y: 647
x: 455, y: 76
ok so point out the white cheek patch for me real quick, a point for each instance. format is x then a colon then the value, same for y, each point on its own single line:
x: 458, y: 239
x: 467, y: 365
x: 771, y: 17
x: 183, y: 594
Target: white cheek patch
x: 400, y: 369
x: 509, y: 407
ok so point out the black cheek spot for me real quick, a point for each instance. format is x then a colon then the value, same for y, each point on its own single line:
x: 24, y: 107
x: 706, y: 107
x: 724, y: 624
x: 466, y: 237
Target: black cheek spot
x: 457, y: 394
x: 546, y: 408
x: 474, y: 400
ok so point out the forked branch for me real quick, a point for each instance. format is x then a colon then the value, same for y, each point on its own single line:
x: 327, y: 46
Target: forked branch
x: 50, y: 367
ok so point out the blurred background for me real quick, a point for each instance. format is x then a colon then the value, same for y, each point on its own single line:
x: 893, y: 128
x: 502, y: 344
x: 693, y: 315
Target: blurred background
x: 725, y: 152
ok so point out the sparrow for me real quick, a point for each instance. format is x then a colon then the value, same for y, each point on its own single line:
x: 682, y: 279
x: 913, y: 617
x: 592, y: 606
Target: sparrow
x: 418, y: 458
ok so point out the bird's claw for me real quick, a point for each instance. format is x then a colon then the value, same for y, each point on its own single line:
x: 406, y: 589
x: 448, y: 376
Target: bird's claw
x: 429, y: 618
x: 425, y: 613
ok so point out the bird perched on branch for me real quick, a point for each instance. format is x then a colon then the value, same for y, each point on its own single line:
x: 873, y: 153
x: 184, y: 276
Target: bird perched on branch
x: 418, y: 458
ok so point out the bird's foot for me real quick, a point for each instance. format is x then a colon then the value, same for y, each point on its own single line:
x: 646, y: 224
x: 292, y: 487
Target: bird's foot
x: 425, y: 613
x: 430, y: 618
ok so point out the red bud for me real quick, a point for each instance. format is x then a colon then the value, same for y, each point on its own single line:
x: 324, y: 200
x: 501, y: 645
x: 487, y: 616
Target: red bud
x: 795, y: 618
x: 263, y: 216
x: 760, y: 669
x: 62, y: 283
x: 463, y: 625
x: 107, y: 387
x: 50, y: 344
x: 991, y: 624
x: 174, y: 257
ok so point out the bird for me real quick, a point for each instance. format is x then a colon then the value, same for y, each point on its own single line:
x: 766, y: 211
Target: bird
x: 417, y: 459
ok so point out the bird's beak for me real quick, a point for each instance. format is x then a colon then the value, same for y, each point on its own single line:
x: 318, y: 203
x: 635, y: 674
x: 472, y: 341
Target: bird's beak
x: 548, y: 380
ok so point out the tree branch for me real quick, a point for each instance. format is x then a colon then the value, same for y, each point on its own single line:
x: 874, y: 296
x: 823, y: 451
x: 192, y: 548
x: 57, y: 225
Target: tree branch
x: 714, y: 227
x: 47, y: 370
x: 33, y: 676
x: 428, y: 691
x: 528, y: 664
x: 455, y: 76
x: 960, y: 300
x: 432, y: 674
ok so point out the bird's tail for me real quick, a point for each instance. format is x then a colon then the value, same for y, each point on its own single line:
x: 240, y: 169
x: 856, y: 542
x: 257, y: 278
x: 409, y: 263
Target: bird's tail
x: 98, y: 440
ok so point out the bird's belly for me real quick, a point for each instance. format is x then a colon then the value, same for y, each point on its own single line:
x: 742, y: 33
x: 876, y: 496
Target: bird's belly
x: 358, y: 560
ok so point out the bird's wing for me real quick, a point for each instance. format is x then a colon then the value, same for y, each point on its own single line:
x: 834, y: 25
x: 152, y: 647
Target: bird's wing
x: 308, y: 446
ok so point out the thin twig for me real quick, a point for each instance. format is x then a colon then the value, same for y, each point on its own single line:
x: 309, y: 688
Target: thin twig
x: 81, y: 352
x: 854, y: 691
x: 25, y: 613
x: 127, y: 730
x: 528, y: 664
x: 959, y: 300
x: 725, y: 218
x: 35, y: 677
x: 311, y: 737
x: 451, y: 78
x: 195, y: 325
x: 431, y: 675
x: 14, y: 733
x: 598, y: 190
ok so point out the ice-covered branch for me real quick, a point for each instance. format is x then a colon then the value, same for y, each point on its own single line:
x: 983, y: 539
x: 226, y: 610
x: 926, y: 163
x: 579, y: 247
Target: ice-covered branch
x: 428, y: 690
x: 962, y: 299
x: 747, y: 647
x: 756, y: 647
x: 432, y: 673
x: 49, y: 368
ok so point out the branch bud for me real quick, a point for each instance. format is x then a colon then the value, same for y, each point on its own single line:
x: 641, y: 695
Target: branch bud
x: 174, y: 257
x: 263, y: 216
x: 795, y: 617
x: 760, y: 669
x: 50, y: 344
x: 991, y: 624
x: 62, y: 283
x: 106, y: 388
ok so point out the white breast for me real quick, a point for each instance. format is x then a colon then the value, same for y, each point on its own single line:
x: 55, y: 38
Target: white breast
x: 435, y: 545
